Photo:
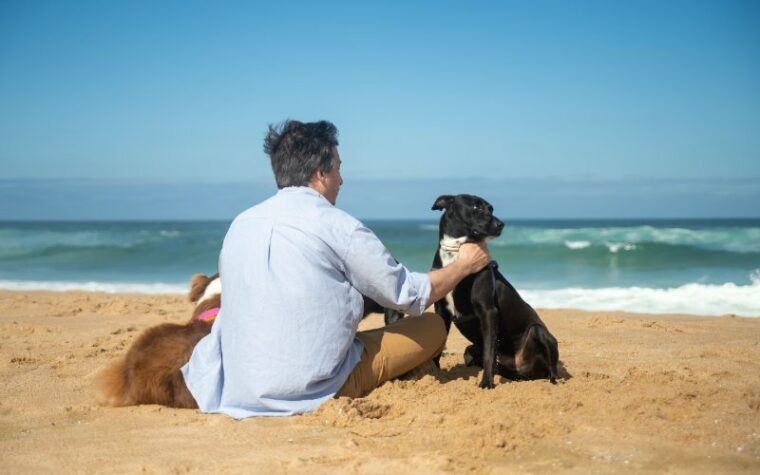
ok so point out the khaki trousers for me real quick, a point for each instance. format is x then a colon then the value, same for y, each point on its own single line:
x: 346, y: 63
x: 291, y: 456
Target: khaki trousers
x: 393, y: 350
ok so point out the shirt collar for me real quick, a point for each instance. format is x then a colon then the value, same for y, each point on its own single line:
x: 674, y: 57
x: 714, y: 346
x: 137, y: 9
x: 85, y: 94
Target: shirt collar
x: 304, y: 190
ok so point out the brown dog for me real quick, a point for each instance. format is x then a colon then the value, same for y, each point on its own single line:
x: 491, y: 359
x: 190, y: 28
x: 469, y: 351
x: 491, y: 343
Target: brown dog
x: 150, y: 371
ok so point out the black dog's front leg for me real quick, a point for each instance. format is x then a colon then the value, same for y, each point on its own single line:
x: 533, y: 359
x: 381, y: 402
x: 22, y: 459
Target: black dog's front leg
x: 490, y: 328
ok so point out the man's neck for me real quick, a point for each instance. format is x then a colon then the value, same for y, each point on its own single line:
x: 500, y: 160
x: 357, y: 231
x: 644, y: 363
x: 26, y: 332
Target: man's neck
x: 317, y: 186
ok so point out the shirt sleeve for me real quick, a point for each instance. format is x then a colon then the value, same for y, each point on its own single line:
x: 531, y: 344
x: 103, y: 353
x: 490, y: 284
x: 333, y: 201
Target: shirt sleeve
x: 375, y: 273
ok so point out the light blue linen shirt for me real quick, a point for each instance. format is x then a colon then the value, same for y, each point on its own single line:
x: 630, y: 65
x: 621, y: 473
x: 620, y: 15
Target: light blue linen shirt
x: 293, y: 271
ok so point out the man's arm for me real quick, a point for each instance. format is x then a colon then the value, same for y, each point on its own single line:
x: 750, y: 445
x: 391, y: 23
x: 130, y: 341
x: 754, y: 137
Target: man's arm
x: 472, y: 258
x: 372, y: 271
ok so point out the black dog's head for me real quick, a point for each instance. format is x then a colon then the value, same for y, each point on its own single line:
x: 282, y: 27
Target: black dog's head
x: 467, y: 216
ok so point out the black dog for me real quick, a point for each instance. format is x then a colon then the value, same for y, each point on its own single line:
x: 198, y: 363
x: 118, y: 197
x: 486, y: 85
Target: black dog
x: 391, y: 316
x: 505, y: 330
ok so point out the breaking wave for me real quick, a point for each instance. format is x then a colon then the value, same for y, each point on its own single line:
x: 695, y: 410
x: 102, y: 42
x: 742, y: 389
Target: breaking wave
x: 694, y: 298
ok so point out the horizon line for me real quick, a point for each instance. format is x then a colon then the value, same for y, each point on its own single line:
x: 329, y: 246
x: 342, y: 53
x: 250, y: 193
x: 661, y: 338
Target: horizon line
x: 431, y: 220
x: 271, y: 181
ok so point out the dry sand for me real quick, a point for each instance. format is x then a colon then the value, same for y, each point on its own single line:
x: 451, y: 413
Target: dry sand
x: 641, y: 394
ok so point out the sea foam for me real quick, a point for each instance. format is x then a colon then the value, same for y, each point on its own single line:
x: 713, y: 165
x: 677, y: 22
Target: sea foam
x: 577, y: 244
x: 693, y: 298
x: 616, y: 247
x: 109, y: 287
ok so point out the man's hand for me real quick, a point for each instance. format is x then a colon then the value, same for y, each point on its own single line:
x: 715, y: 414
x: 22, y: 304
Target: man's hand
x: 474, y: 256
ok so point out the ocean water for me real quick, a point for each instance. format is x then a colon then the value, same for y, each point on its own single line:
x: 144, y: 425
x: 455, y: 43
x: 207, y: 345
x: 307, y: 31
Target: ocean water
x: 705, y: 267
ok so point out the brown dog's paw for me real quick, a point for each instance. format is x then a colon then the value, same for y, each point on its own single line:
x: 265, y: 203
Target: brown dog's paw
x: 487, y: 384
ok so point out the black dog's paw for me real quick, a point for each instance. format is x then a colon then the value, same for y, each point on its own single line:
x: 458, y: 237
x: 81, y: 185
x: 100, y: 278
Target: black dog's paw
x: 487, y: 384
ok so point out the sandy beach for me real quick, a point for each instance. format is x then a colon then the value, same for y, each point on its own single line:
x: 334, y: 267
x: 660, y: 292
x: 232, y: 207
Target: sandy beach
x: 641, y: 394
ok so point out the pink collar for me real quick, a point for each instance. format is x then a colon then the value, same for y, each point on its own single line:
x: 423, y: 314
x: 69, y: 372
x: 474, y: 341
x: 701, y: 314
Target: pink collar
x: 209, y: 314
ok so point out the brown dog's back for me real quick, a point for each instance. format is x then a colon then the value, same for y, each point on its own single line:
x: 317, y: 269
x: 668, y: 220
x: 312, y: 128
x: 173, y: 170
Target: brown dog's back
x: 150, y: 372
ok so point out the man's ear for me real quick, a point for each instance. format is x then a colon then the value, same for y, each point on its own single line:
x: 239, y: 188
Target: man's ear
x: 317, y: 178
x: 443, y: 202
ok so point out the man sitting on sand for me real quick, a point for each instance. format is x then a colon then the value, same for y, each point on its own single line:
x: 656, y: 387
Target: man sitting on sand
x: 294, y: 269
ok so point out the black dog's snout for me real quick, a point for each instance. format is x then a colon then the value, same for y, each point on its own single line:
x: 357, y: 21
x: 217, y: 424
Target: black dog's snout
x: 497, y: 226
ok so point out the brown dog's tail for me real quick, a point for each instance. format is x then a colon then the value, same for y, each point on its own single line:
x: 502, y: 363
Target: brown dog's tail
x: 111, y: 384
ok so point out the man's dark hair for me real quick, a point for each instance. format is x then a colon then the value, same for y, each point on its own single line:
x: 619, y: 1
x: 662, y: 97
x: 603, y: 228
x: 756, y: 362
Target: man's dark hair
x: 298, y: 149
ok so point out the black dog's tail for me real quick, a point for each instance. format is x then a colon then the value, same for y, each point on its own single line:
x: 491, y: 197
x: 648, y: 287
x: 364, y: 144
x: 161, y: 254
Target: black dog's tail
x: 551, y: 351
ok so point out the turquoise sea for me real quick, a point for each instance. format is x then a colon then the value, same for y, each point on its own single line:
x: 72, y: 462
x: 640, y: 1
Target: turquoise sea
x: 708, y: 267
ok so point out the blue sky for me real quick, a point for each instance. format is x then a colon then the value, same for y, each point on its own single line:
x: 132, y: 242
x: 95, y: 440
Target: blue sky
x: 652, y: 108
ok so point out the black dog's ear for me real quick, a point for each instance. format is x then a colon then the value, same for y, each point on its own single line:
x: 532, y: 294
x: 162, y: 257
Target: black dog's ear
x: 443, y: 202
